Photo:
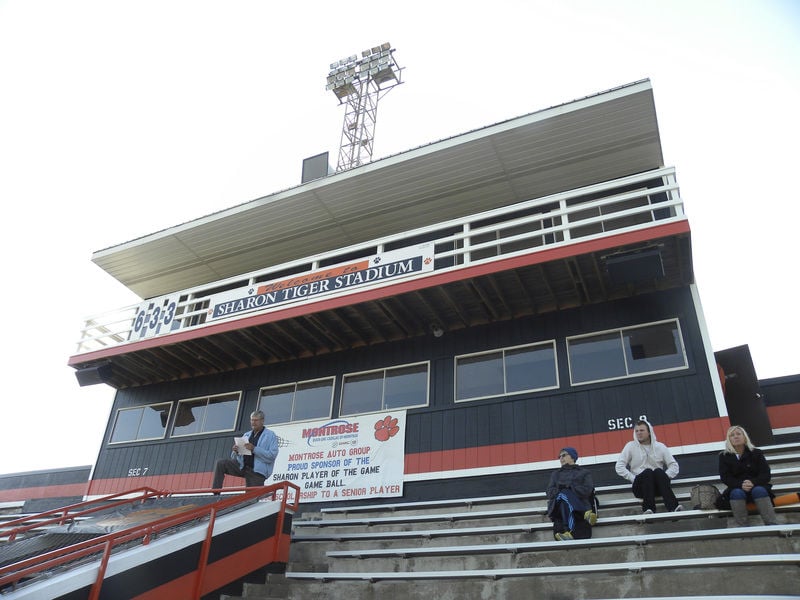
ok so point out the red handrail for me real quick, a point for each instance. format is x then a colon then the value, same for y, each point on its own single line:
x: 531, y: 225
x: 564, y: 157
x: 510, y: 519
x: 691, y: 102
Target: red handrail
x: 28, y: 522
x: 204, y: 551
x: 13, y: 573
x: 94, y: 593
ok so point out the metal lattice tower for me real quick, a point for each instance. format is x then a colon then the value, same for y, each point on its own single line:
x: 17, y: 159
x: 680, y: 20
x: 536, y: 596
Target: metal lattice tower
x: 359, y: 83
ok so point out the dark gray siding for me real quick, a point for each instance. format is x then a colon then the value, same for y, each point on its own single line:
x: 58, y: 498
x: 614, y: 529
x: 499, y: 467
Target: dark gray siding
x: 666, y: 398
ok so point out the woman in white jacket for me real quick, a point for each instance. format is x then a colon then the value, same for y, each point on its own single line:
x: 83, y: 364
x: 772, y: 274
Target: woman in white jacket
x: 649, y: 466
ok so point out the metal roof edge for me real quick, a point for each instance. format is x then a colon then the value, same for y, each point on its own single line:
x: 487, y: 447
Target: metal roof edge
x: 426, y: 149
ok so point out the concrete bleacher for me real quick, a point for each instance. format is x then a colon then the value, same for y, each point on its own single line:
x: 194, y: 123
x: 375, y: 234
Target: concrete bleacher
x: 501, y: 547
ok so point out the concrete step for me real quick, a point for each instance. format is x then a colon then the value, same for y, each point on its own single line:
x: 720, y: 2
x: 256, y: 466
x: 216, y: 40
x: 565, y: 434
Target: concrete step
x: 252, y: 597
x: 276, y: 587
x: 699, y: 577
x: 627, y: 505
x: 314, y: 548
x: 614, y: 548
x: 502, y: 547
x: 784, y: 479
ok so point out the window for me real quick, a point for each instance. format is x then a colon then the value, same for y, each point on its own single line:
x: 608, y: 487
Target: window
x: 140, y: 423
x: 506, y: 371
x: 651, y: 348
x: 206, y: 415
x: 397, y: 387
x: 297, y: 401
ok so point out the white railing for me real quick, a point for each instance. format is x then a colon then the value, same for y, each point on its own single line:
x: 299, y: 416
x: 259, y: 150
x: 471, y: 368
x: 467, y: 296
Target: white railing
x: 591, y: 212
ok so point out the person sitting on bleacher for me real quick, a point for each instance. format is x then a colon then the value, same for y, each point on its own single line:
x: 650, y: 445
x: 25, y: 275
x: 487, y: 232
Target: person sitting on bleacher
x: 746, y: 473
x: 570, y: 499
x: 649, y: 466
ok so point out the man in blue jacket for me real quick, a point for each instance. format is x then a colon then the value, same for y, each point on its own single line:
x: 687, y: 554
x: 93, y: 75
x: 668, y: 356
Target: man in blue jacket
x: 569, y: 499
x: 255, y: 466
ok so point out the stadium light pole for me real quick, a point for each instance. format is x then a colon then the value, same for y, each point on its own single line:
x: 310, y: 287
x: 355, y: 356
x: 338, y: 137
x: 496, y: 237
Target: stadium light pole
x: 359, y: 83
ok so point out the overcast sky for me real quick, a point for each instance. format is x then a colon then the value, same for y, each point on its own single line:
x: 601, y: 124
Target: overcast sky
x: 118, y: 119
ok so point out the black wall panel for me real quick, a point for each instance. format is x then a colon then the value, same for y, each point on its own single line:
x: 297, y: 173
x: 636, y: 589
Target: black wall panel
x: 34, y: 479
x: 567, y: 411
x: 778, y: 391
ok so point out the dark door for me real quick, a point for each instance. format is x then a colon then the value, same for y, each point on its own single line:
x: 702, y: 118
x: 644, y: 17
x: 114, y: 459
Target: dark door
x: 742, y: 395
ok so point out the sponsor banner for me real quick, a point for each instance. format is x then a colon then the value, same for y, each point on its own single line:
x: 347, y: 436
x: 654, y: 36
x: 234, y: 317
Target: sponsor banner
x: 343, y: 459
x: 159, y: 316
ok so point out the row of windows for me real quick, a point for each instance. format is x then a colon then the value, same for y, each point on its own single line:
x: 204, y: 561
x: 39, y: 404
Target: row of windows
x: 196, y: 415
x: 626, y: 352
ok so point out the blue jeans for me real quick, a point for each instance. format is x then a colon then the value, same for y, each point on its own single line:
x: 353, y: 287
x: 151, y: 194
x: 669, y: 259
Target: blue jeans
x: 754, y: 494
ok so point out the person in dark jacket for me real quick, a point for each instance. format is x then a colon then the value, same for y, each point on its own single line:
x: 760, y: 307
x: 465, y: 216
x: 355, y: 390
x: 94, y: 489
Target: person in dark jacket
x: 745, y: 472
x: 569, y: 499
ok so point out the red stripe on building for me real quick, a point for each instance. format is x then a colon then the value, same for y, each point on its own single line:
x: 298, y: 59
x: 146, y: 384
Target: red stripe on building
x: 702, y: 431
x: 178, y: 481
x: 688, y: 433
x: 46, y: 491
x: 784, y: 415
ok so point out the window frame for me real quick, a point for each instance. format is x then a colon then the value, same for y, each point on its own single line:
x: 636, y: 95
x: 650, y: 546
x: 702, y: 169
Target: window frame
x: 332, y: 379
x: 384, y: 370
x: 208, y: 398
x: 625, y: 349
x: 140, y: 407
x: 551, y: 343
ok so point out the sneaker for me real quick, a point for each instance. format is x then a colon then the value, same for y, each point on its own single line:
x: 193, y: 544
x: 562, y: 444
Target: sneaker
x: 678, y: 508
x: 564, y: 536
x: 590, y: 517
x: 648, y: 512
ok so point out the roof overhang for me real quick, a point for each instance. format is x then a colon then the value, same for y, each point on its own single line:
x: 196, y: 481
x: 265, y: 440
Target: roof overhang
x: 523, y: 286
x: 597, y: 138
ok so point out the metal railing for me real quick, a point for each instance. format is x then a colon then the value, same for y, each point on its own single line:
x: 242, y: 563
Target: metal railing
x: 101, y: 547
x: 621, y: 205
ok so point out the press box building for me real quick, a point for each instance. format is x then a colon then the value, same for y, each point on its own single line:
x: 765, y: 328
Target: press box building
x: 492, y: 297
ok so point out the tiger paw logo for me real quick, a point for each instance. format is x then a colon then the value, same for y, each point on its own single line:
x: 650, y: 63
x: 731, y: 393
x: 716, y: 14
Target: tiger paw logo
x: 386, y: 428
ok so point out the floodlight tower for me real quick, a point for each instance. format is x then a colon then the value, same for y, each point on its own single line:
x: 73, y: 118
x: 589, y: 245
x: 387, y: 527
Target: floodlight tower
x: 358, y: 84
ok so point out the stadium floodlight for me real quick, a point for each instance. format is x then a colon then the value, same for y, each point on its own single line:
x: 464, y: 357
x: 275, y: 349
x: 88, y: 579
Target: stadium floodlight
x: 358, y: 83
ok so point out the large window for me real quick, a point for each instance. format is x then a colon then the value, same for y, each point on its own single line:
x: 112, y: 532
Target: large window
x: 506, y: 371
x: 297, y: 401
x: 140, y: 423
x: 626, y: 352
x: 397, y: 387
x: 207, y: 414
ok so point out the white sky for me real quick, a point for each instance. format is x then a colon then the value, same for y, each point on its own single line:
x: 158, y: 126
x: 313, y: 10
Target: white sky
x: 118, y: 119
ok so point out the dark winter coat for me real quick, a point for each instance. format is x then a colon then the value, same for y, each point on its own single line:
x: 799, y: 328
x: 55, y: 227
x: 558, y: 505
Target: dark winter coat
x: 573, y: 477
x: 734, y: 470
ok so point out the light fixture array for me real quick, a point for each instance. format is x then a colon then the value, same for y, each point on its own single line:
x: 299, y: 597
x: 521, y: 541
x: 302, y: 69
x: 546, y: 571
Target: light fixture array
x: 375, y: 64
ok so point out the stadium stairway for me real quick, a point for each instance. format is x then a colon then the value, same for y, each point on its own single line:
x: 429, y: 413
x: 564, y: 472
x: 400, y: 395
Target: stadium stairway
x: 502, y: 547
x: 147, y: 544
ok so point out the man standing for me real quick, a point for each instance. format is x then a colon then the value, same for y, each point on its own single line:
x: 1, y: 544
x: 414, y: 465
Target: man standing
x: 256, y: 467
x: 649, y: 466
x: 569, y: 499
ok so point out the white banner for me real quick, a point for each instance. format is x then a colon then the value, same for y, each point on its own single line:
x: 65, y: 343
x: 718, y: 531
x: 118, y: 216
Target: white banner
x: 344, y: 459
x: 162, y: 315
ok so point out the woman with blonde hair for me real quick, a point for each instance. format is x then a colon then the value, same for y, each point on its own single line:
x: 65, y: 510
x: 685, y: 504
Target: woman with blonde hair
x: 744, y: 470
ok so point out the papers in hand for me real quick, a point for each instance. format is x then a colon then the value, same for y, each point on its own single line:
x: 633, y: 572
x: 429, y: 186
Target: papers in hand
x: 240, y: 442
